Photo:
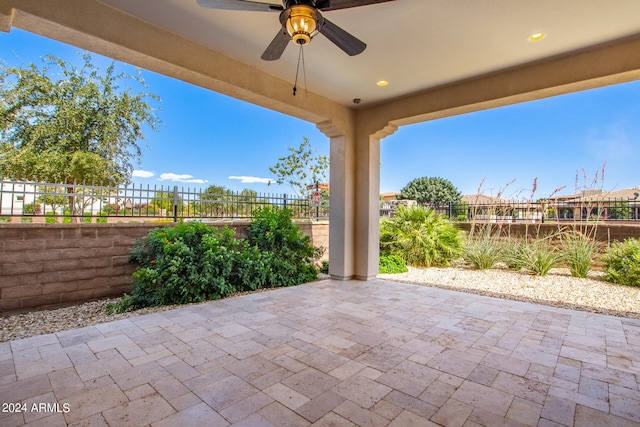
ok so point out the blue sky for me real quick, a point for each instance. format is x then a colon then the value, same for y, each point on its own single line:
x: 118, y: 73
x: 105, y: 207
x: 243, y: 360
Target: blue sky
x: 207, y: 138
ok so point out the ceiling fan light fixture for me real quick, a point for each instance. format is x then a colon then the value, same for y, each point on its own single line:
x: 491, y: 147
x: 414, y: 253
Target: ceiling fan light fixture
x: 301, y: 23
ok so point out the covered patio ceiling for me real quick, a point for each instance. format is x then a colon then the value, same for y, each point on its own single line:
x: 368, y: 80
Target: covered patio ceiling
x: 415, y: 45
x: 440, y: 58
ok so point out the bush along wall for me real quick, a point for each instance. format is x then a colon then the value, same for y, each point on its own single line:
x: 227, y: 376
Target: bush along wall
x: 193, y: 262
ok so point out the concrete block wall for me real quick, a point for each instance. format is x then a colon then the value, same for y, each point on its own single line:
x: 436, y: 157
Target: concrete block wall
x: 604, y: 232
x: 56, y: 264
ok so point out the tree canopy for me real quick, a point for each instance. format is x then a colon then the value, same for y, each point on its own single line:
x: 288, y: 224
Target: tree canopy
x: 431, y: 190
x: 60, y: 123
x: 302, y: 168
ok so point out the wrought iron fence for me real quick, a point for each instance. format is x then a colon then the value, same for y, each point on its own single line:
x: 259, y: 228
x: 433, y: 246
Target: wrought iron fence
x: 67, y: 202
x: 614, y: 209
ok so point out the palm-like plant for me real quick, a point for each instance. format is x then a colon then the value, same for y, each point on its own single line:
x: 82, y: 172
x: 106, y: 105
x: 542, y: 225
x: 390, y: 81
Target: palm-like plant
x: 421, y: 237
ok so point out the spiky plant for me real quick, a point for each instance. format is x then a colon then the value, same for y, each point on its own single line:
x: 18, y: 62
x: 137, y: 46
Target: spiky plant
x: 579, y: 251
x: 421, y: 237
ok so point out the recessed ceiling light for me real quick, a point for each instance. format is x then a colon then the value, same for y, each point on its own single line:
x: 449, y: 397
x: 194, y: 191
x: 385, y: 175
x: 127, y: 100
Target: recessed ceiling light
x: 382, y: 83
x: 537, y: 36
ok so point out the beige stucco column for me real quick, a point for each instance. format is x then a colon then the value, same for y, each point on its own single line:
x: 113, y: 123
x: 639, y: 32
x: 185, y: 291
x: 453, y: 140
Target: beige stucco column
x: 354, y: 210
x: 367, y: 195
x: 341, y: 207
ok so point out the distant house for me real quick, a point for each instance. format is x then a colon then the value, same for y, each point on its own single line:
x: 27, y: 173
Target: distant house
x: 14, y: 196
x: 388, y: 197
x: 496, y: 209
x: 389, y: 202
x: 598, y: 204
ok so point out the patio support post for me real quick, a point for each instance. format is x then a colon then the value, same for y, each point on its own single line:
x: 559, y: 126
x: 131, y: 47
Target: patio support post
x: 341, y: 206
x: 354, y: 233
x: 367, y: 205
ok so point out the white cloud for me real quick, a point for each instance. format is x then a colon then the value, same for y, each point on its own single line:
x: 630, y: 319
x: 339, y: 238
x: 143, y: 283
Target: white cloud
x: 142, y: 173
x: 251, y: 179
x: 181, y: 178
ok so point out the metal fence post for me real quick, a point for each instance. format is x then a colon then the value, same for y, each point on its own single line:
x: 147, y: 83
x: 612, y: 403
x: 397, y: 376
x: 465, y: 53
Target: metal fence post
x: 318, y: 205
x: 175, y: 203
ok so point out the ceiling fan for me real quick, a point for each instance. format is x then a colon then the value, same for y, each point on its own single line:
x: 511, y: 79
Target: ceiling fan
x: 301, y: 20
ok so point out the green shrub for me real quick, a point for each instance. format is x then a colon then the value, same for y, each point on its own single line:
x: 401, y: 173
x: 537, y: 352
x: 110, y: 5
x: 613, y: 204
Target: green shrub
x: 31, y: 209
x: 5, y: 220
x: 50, y: 218
x: 325, y: 267
x: 193, y: 262
x: 420, y: 237
x: 291, y: 254
x: 578, y: 251
x: 87, y: 217
x: 66, y: 219
x: 392, y: 264
x: 181, y: 264
x: 102, y: 218
x: 622, y: 262
x: 26, y: 220
x: 482, y: 252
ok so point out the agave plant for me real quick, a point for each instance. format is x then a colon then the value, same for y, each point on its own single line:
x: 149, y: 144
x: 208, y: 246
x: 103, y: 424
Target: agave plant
x: 421, y: 237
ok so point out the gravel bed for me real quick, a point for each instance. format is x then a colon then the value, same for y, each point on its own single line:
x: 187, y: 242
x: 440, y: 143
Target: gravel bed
x: 558, y: 289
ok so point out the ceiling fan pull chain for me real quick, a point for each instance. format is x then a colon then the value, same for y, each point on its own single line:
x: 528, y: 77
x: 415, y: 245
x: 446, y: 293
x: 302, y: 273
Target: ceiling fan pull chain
x: 295, y: 84
x: 304, y: 69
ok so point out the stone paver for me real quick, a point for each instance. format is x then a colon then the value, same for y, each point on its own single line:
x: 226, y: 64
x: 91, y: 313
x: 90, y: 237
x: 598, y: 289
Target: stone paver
x: 372, y: 353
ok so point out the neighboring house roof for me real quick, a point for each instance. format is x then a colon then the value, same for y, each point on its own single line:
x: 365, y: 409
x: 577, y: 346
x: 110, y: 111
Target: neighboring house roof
x: 392, y: 195
x: 595, y: 195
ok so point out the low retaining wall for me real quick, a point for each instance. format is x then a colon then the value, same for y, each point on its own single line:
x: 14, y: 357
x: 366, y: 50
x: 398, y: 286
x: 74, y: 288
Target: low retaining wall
x: 43, y: 266
x: 604, y: 232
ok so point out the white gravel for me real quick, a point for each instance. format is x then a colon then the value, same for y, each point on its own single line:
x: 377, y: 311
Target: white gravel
x: 558, y: 288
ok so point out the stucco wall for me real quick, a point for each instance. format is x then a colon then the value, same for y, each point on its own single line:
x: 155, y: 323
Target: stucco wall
x: 57, y: 264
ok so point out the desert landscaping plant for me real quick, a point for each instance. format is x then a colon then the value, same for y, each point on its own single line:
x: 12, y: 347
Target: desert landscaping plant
x: 622, y: 262
x: 483, y: 251
x: 578, y: 252
x: 421, y: 237
x: 392, y: 264
x: 193, y: 262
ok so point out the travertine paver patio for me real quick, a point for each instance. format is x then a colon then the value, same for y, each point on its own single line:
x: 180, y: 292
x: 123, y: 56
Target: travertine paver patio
x: 333, y: 353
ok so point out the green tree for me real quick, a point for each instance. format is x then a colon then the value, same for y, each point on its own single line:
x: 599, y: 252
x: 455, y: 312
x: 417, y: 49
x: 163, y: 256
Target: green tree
x: 64, y: 124
x: 215, y: 200
x: 302, y: 168
x: 619, y: 209
x: 165, y: 201
x: 431, y: 190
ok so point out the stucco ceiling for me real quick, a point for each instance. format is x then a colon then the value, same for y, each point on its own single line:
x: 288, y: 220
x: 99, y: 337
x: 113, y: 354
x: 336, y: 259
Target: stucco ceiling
x: 412, y: 44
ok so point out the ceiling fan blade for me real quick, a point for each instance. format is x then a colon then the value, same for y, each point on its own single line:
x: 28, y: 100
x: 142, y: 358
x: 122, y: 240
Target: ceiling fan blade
x: 277, y: 46
x: 325, y: 5
x: 240, y: 5
x: 345, y: 41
